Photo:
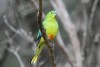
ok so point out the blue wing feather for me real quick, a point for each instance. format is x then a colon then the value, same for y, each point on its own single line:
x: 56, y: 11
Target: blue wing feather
x: 38, y: 36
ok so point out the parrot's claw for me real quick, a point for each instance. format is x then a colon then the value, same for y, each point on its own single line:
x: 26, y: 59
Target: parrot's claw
x: 51, y: 44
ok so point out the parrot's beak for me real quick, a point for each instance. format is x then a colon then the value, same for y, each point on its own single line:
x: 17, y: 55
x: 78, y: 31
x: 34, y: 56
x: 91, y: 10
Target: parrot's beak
x: 55, y: 16
x: 55, y: 12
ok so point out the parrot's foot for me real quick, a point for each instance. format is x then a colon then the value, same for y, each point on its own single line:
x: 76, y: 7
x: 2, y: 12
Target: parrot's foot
x: 51, y: 44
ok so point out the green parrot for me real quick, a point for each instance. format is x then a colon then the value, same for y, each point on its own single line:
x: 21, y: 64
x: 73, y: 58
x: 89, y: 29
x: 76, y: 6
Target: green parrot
x: 51, y: 26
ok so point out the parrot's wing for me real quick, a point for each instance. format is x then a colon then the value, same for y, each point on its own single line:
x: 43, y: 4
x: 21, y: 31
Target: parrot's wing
x: 38, y: 36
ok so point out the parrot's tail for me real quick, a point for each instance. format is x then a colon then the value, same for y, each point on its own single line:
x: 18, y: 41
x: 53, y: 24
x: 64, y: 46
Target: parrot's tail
x: 36, y: 56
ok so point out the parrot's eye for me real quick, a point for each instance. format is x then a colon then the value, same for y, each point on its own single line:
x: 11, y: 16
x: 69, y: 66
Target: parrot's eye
x: 51, y: 12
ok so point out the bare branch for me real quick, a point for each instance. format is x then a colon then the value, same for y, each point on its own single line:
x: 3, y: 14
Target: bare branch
x: 20, y: 32
x: 85, y: 20
x: 13, y: 50
x: 10, y: 26
x: 87, y: 30
x: 92, y: 13
x: 37, y: 6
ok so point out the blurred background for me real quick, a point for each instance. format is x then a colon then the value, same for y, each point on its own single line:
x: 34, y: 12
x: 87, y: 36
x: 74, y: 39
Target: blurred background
x: 76, y: 45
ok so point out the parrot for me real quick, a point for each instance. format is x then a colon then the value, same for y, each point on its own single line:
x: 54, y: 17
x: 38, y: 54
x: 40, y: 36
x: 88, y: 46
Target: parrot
x: 50, y: 25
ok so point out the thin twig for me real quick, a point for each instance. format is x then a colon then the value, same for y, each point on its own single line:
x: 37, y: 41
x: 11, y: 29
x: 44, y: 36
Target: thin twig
x: 85, y: 17
x: 15, y: 52
x: 92, y: 57
x: 92, y: 14
x: 35, y: 4
x: 20, y: 32
x: 87, y: 30
x: 51, y: 51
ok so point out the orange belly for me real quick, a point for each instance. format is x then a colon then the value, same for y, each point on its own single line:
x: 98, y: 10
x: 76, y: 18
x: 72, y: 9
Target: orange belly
x: 51, y: 36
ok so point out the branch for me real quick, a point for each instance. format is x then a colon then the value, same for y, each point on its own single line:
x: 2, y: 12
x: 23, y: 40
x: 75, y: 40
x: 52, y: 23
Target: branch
x: 70, y: 28
x: 85, y: 20
x: 13, y: 50
x: 51, y: 51
x: 92, y: 14
x: 87, y: 30
x: 20, y: 32
x: 35, y: 4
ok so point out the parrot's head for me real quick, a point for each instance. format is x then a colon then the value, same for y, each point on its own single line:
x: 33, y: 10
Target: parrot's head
x: 51, y: 15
